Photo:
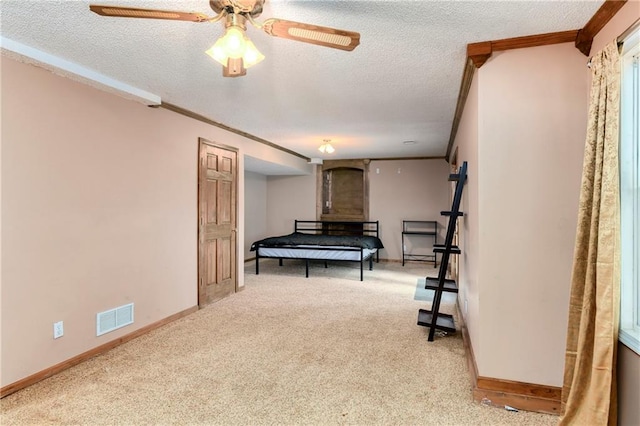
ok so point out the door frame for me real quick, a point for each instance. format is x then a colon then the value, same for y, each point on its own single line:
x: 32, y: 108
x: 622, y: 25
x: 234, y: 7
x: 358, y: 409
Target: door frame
x: 201, y: 142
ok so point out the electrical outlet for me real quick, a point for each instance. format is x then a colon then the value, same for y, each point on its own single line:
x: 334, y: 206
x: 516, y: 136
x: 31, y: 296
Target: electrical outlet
x: 58, y: 329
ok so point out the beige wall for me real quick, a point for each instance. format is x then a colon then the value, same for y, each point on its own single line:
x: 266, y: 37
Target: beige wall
x: 531, y: 121
x: 466, y: 144
x: 255, y: 218
x: 533, y: 112
x: 99, y: 209
x: 290, y: 198
x: 407, y: 190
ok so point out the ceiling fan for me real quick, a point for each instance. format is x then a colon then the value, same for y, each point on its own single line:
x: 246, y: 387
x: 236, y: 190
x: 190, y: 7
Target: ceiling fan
x: 234, y: 50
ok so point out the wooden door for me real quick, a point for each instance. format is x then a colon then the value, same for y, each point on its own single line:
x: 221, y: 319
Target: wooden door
x: 217, y: 223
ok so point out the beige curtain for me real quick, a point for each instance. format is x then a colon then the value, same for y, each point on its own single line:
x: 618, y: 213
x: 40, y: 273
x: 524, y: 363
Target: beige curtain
x: 589, y: 389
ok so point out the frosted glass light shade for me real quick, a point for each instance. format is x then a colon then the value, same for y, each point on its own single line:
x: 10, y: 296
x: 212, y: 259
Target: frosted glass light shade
x: 235, y: 45
x: 326, y: 148
x: 251, y: 55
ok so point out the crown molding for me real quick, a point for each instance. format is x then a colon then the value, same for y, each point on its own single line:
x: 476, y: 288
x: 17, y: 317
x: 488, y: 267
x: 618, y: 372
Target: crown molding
x: 479, y: 53
x: 585, y: 36
x: 465, y: 86
x: 203, y: 119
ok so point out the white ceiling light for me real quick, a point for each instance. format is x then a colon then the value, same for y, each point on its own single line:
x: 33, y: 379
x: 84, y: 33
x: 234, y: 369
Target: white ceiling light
x: 326, y: 147
x: 234, y: 51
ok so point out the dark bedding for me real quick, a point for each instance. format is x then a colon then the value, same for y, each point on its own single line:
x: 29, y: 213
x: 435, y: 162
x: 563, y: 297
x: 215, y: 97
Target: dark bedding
x: 299, y: 238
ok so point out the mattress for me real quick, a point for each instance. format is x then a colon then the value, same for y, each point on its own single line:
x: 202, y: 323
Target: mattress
x: 300, y: 239
x: 313, y: 252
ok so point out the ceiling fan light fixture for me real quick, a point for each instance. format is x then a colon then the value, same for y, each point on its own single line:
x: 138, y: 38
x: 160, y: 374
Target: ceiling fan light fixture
x: 251, y: 55
x: 235, y: 52
x: 232, y: 44
x: 326, y: 148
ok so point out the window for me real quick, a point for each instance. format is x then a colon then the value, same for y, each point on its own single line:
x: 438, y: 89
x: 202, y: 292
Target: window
x: 630, y: 194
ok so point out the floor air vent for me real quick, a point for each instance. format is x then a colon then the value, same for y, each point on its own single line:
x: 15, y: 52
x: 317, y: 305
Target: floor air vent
x: 114, y: 319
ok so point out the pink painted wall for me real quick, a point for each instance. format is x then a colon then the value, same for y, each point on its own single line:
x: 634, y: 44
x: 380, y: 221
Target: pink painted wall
x: 466, y: 143
x: 99, y: 209
x: 290, y: 198
x: 522, y: 132
x: 407, y: 190
x: 532, y: 129
x: 626, y: 16
x: 255, y: 195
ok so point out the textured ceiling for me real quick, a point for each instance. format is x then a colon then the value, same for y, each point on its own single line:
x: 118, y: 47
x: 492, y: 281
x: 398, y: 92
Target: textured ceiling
x: 400, y: 84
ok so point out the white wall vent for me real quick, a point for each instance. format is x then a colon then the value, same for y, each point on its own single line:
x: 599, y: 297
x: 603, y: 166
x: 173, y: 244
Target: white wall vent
x: 114, y: 319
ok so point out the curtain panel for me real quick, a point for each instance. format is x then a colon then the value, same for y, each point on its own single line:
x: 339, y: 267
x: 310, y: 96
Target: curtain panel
x: 589, y: 387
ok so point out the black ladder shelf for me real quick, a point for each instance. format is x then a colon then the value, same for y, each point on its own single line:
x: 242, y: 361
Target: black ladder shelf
x: 433, y: 318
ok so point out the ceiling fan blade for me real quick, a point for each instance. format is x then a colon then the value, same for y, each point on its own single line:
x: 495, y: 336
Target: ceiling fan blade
x: 132, y: 12
x: 314, y: 34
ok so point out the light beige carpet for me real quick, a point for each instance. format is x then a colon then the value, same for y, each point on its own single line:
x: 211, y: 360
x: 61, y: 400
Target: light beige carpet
x: 287, y: 350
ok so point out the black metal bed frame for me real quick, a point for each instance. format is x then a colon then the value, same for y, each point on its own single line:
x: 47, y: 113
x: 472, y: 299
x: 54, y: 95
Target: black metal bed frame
x: 320, y: 227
